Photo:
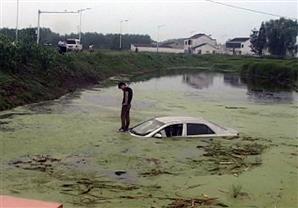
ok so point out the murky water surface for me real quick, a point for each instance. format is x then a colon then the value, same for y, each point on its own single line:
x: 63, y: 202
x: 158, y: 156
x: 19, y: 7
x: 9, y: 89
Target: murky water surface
x: 69, y: 150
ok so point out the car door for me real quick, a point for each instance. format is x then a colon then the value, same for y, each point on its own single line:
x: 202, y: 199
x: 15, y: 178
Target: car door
x: 199, y: 130
x: 172, y: 130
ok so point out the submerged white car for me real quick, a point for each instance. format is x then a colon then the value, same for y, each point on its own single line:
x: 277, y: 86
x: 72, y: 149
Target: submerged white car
x: 162, y: 127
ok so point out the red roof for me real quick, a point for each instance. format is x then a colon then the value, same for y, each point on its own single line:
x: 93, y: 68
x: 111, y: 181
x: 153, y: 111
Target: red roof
x: 14, y: 202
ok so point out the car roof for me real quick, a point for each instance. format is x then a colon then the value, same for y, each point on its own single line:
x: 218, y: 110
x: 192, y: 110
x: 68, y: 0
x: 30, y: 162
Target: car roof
x: 184, y: 119
x: 171, y: 119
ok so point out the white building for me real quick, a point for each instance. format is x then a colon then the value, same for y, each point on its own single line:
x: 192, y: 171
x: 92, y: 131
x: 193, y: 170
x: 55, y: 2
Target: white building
x: 204, y: 48
x: 221, y: 49
x: 196, y: 44
x: 173, y: 43
x: 239, y: 46
x: 200, y: 44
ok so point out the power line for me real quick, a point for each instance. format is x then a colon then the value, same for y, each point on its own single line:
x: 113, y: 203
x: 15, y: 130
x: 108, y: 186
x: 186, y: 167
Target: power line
x: 247, y: 9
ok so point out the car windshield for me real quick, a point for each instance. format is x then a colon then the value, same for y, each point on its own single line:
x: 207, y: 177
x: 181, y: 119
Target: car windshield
x: 147, y: 127
x: 71, y: 42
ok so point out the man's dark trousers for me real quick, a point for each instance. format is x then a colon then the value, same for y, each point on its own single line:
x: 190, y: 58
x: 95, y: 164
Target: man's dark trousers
x: 125, y: 119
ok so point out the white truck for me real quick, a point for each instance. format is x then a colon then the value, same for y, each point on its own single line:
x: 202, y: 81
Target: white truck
x: 73, y: 45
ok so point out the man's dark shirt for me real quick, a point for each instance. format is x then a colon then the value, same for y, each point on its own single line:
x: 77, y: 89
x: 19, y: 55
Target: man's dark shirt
x: 127, y: 96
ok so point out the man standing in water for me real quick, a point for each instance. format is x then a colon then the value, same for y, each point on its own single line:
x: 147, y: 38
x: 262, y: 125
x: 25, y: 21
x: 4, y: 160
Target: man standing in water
x: 126, y: 104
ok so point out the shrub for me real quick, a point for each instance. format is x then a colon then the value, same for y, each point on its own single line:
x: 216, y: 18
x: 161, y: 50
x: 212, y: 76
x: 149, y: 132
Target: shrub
x: 269, y: 73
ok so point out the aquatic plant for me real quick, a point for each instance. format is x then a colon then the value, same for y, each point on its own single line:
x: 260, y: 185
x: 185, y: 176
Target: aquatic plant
x: 236, y: 190
x: 232, y: 158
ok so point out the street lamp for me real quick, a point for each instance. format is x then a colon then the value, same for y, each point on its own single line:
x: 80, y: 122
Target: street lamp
x: 80, y: 27
x: 17, y: 21
x: 157, y: 44
x: 120, y: 35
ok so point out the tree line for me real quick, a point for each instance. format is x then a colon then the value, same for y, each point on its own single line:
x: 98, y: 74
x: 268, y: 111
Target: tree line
x: 277, y: 37
x: 98, y: 40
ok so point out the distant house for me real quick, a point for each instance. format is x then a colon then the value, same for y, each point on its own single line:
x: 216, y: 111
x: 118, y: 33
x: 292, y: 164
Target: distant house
x: 221, y: 49
x: 196, y: 44
x: 153, y: 48
x: 239, y: 46
x: 204, y: 48
x: 173, y: 43
x: 200, y: 44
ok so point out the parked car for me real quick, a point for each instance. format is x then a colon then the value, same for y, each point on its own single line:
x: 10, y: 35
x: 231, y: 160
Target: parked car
x: 162, y: 127
x: 73, y: 45
x: 61, y: 47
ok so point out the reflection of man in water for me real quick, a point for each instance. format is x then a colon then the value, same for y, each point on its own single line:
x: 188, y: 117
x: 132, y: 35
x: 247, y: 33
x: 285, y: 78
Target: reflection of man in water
x: 126, y: 104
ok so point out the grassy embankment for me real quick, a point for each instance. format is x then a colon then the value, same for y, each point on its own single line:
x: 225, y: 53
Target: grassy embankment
x: 29, y: 73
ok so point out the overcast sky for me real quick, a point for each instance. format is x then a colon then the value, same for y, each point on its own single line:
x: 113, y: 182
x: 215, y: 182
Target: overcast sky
x: 181, y: 18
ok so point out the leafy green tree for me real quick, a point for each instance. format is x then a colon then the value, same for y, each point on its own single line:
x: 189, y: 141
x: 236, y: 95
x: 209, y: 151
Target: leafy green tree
x: 255, y: 46
x: 278, y: 36
x: 262, y: 39
x: 258, y: 40
x: 98, y: 40
x: 281, y: 36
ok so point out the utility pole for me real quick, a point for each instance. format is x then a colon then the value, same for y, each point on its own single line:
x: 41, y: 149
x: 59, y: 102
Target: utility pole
x: 38, y: 27
x: 80, y: 27
x: 120, y: 35
x: 157, y: 43
x: 17, y: 22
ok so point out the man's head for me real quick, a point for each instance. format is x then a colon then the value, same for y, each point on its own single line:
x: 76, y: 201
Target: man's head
x: 121, y: 85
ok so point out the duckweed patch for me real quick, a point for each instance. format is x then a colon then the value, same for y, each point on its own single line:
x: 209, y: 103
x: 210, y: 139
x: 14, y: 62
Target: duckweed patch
x: 81, y: 131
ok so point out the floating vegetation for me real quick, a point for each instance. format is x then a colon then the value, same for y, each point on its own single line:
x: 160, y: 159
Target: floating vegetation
x: 155, y: 172
x: 236, y: 190
x: 248, y: 138
x: 11, y: 115
x: 3, y: 122
x: 235, y: 107
x: 232, y: 159
x: 3, y: 126
x: 82, y: 186
x: 43, y: 163
x: 203, y: 202
x: 238, y: 193
x: 87, y: 191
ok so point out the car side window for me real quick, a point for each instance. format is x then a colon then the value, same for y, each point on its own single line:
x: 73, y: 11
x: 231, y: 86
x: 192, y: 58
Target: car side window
x: 173, y: 130
x: 198, y: 129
